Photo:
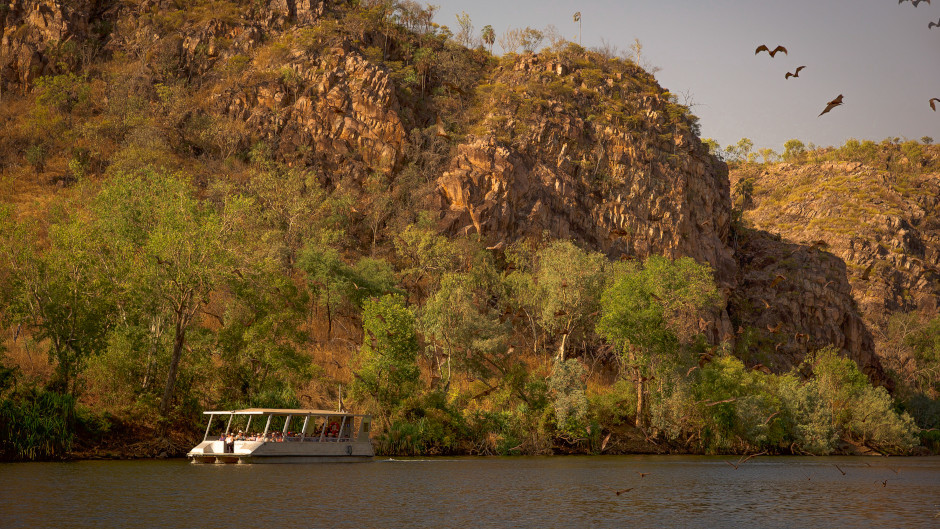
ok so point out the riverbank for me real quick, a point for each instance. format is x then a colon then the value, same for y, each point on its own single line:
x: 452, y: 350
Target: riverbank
x: 128, y: 442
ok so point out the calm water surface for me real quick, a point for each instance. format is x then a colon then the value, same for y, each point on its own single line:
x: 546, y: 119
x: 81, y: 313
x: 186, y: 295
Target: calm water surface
x: 477, y: 492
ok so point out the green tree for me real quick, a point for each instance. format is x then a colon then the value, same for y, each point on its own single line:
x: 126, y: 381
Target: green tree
x: 463, y: 328
x: 531, y: 39
x: 62, y: 293
x: 175, y: 250
x: 648, y: 312
x: 424, y: 257
x: 769, y: 155
x: 465, y: 33
x: 713, y: 147
x: 488, y: 36
x: 562, y: 289
x: 793, y: 150
x: 388, y: 369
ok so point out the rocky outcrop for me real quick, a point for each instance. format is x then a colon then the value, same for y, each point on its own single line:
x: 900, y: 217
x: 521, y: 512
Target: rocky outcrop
x: 884, y: 224
x: 791, y: 299
x: 626, y: 190
x: 41, y: 37
x: 337, y: 110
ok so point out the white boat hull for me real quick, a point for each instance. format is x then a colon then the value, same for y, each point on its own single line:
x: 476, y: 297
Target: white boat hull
x: 282, y: 452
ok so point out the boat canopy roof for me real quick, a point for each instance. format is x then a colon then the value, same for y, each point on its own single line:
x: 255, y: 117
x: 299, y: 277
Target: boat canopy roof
x: 282, y: 411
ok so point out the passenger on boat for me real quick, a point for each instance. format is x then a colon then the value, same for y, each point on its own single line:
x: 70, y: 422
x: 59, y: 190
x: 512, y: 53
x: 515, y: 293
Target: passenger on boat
x: 229, y: 444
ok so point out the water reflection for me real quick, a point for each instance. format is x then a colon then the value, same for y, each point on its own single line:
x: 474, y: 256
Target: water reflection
x: 479, y: 492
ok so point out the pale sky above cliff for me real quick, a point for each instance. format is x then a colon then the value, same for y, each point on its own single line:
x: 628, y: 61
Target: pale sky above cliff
x: 880, y: 55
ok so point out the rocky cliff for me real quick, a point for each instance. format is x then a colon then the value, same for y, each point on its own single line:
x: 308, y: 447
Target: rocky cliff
x: 878, y: 221
x: 565, y: 143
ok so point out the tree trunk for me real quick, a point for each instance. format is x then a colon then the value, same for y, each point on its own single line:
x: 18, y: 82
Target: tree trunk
x: 561, y: 348
x: 639, y: 399
x: 178, y: 342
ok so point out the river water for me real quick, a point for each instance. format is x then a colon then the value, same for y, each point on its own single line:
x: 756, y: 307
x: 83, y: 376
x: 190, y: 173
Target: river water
x: 541, y: 492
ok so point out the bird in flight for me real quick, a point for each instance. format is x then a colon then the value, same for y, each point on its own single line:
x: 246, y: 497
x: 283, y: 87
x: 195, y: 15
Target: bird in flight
x: 915, y: 2
x: 763, y: 47
x: 831, y: 105
x: 794, y: 74
x: 642, y: 474
x: 621, y: 491
x: 933, y: 24
x: 933, y: 106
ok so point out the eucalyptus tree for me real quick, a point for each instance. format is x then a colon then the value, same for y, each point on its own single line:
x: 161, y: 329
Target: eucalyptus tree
x: 558, y: 287
x: 61, y: 290
x: 648, y: 312
x: 176, y: 249
x: 388, y: 369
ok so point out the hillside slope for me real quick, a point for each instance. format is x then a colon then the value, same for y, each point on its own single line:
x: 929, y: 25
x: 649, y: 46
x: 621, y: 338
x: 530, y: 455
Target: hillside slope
x: 877, y: 211
x: 565, y: 143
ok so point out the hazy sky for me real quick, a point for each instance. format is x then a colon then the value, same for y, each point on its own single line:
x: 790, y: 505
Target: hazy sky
x: 880, y: 55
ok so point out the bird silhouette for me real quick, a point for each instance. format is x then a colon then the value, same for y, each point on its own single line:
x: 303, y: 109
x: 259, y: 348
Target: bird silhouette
x: 766, y: 304
x: 933, y: 106
x: 933, y: 24
x: 777, y: 280
x: 794, y: 74
x: 775, y: 328
x: 621, y: 491
x: 763, y: 47
x: 915, y: 2
x: 642, y: 474
x: 831, y: 105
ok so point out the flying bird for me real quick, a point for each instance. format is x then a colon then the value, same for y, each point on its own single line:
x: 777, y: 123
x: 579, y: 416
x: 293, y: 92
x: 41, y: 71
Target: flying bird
x: 777, y: 280
x: 933, y: 105
x: 775, y: 328
x: 839, y: 469
x: 763, y: 47
x: 794, y: 74
x: 915, y: 2
x: 642, y: 474
x: 933, y: 24
x: 831, y: 105
x: 621, y: 491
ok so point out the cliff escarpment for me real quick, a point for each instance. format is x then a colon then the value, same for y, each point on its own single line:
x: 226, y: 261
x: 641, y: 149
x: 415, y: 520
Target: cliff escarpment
x: 875, y: 208
x: 566, y: 143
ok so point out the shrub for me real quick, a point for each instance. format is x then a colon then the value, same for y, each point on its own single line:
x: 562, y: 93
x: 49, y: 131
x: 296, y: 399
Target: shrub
x: 36, y: 424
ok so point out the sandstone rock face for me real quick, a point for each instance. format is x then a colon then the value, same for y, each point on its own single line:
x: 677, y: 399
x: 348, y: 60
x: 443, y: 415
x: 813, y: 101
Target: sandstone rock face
x: 339, y: 109
x: 884, y: 225
x: 794, y: 299
x: 36, y: 35
x: 627, y: 191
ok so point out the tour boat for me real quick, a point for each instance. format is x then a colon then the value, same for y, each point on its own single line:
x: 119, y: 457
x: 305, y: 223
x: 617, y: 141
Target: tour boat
x: 288, y: 436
